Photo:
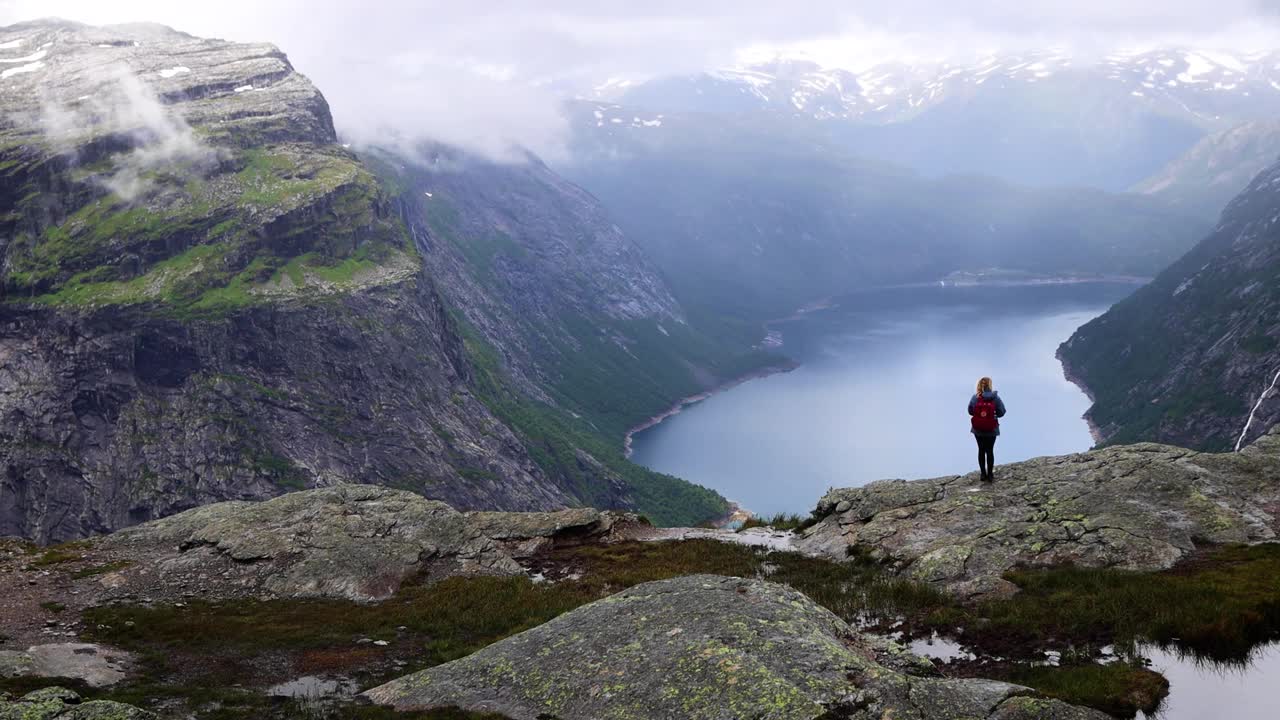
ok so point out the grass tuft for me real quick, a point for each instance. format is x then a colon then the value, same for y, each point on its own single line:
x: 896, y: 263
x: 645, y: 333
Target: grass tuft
x: 781, y: 521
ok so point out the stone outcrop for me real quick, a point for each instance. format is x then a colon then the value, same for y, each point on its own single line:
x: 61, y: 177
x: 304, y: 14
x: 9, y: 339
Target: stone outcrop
x: 54, y: 703
x: 349, y: 542
x: 357, y: 542
x: 97, y: 666
x: 1141, y: 507
x: 703, y: 647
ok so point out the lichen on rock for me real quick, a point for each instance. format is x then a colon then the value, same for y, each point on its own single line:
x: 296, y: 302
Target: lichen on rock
x: 356, y: 542
x: 1138, y: 507
x: 55, y: 703
x: 703, y: 647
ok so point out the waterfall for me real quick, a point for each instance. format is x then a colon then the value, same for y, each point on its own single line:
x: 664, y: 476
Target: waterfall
x: 1249, y: 422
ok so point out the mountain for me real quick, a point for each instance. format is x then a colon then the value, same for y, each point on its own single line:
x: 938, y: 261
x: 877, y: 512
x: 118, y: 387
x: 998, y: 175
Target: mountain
x: 1042, y: 118
x: 1211, y: 87
x: 206, y: 297
x: 538, y: 269
x: 1192, y: 358
x: 748, y: 214
x: 1219, y: 167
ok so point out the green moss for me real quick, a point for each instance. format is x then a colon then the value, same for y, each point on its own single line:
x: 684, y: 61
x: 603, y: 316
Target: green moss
x: 206, y: 247
x: 168, y: 281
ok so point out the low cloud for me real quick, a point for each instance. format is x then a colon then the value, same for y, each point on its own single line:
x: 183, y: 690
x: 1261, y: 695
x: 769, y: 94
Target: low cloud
x: 124, y: 105
x: 489, y: 75
x: 402, y: 100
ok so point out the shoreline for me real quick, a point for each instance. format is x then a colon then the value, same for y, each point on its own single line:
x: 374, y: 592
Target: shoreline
x: 696, y: 398
x: 1024, y: 282
x: 737, y: 514
x: 1071, y: 377
x: 776, y: 369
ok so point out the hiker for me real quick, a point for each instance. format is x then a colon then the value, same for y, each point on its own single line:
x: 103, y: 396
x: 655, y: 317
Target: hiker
x: 985, y: 410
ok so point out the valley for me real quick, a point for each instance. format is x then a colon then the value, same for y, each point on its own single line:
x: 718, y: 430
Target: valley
x: 881, y: 372
x: 429, y: 370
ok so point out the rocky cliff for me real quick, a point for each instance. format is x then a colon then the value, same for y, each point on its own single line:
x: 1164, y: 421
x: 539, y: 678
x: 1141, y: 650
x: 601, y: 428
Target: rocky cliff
x: 1205, y: 178
x: 207, y: 297
x: 1192, y: 358
x: 541, y: 274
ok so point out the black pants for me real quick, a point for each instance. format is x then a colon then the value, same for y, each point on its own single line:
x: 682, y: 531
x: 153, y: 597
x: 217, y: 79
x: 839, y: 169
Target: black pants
x: 986, y: 453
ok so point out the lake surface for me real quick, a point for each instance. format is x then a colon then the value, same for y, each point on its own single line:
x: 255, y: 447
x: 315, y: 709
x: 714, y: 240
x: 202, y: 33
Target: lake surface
x: 1205, y: 691
x: 882, y: 391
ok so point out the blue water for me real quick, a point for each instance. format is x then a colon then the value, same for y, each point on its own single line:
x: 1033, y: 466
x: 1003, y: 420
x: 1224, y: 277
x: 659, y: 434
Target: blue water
x: 881, y: 392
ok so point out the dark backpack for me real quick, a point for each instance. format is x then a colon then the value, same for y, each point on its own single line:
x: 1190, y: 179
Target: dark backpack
x: 984, y: 415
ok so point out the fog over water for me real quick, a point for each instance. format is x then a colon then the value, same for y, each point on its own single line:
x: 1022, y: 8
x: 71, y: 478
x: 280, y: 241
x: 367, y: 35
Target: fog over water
x: 882, y: 393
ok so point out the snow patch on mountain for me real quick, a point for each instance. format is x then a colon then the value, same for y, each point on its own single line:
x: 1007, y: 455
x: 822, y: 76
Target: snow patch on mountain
x: 1182, y: 80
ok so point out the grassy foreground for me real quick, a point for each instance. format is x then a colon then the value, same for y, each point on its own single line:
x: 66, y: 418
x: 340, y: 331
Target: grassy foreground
x: 214, y: 659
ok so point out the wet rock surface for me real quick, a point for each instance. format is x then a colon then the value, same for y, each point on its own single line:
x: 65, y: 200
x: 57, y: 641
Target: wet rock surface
x: 702, y: 647
x: 1141, y: 507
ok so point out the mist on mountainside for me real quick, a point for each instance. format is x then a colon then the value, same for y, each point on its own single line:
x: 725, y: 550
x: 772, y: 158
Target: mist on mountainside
x: 589, y: 360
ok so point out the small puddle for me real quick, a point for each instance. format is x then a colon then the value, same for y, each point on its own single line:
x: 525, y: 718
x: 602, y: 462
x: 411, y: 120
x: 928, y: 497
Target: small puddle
x: 1202, y: 690
x: 314, y: 688
x: 939, y: 648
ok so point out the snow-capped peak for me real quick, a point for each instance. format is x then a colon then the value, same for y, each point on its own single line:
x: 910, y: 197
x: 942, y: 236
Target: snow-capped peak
x: 1183, y: 78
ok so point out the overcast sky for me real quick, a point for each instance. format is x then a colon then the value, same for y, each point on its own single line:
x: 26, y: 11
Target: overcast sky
x: 486, y: 72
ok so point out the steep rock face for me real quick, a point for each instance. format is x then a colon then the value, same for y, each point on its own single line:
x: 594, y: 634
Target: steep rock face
x: 1216, y: 169
x: 204, y: 297
x: 552, y: 245
x: 141, y: 164
x: 113, y: 417
x: 702, y: 647
x: 541, y: 273
x: 1191, y: 359
x: 1141, y: 507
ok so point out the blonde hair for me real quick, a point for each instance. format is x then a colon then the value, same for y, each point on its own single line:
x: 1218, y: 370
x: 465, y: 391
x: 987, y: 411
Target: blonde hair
x: 984, y: 385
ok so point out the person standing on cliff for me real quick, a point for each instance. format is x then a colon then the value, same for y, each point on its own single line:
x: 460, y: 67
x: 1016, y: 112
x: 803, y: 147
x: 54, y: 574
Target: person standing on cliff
x: 985, y: 410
